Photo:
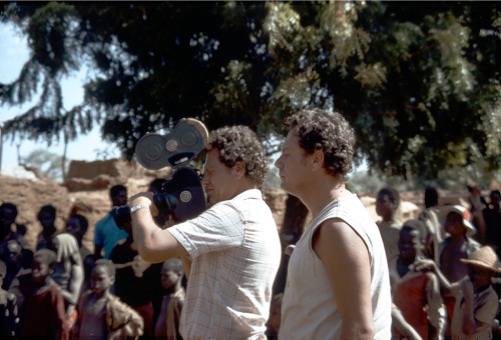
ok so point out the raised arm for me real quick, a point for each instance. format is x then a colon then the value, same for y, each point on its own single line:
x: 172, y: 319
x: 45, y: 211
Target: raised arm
x: 153, y: 243
x: 347, y: 264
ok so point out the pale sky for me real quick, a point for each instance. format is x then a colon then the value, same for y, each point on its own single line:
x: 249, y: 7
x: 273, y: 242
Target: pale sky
x: 13, y: 54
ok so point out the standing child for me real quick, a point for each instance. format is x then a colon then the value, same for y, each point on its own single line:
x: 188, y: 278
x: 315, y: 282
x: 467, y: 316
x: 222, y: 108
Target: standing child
x: 387, y: 204
x: 8, y: 307
x: 476, y: 300
x: 416, y: 295
x: 458, y: 245
x: 101, y: 315
x: 44, y: 313
x: 167, y: 325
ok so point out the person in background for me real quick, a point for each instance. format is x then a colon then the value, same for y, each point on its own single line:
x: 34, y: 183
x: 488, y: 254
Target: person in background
x: 387, y: 204
x: 12, y: 256
x: 338, y: 285
x: 415, y: 294
x: 167, y: 325
x: 101, y: 315
x: 68, y: 272
x: 231, y: 251
x: 77, y: 226
x: 44, y: 314
x: 430, y: 216
x: 458, y: 245
x: 8, y: 308
x: 492, y: 219
x: 476, y: 301
x: 9, y: 229
x: 273, y: 324
x: 47, y: 218
x: 107, y: 233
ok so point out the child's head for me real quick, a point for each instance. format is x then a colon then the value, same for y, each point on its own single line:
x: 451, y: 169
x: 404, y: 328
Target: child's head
x: 118, y: 195
x: 457, y: 221
x: 482, y: 264
x: 12, y: 254
x: 47, y: 216
x: 408, y: 242
x: 42, y: 265
x: 102, y: 276
x: 77, y: 225
x: 387, y: 202
x: 171, y: 273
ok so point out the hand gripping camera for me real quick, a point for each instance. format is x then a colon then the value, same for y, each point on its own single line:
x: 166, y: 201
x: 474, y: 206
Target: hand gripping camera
x: 182, y: 195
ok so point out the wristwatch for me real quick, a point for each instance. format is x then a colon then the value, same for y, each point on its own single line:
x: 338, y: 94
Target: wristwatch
x: 137, y: 207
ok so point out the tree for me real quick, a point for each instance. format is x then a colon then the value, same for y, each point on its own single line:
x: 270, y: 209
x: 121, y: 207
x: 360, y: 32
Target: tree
x: 419, y: 81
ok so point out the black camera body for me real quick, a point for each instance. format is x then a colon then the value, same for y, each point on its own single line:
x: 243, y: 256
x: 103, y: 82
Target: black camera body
x: 182, y: 196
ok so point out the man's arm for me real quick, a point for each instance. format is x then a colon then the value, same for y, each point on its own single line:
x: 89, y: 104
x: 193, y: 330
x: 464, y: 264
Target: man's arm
x: 153, y: 244
x: 347, y: 264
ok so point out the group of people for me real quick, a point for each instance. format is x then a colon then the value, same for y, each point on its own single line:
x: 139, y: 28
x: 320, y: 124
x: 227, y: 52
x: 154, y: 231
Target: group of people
x: 441, y: 268
x: 211, y: 276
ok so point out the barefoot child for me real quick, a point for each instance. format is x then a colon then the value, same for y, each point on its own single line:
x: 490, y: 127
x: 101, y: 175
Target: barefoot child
x: 101, y: 315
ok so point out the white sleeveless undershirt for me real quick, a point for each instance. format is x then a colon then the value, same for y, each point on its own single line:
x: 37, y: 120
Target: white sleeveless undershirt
x: 308, y: 308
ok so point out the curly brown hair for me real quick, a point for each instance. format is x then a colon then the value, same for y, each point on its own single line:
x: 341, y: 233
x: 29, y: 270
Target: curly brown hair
x: 240, y: 143
x: 330, y: 132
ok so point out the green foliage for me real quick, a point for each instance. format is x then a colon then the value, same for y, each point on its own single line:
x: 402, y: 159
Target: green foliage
x: 419, y: 81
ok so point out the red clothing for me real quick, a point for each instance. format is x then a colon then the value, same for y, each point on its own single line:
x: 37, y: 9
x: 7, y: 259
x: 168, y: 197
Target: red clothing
x: 44, y: 314
x: 410, y: 298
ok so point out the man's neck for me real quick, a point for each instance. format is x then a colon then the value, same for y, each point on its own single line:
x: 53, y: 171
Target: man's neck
x: 317, y: 199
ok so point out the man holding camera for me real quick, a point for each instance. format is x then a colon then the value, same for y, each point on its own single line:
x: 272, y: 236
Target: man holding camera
x: 231, y: 251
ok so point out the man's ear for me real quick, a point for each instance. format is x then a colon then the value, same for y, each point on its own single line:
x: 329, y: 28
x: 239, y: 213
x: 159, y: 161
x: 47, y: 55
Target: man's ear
x: 318, y: 159
x: 239, y: 169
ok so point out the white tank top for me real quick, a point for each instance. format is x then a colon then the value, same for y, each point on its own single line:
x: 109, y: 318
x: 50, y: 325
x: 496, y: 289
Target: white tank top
x: 309, y: 310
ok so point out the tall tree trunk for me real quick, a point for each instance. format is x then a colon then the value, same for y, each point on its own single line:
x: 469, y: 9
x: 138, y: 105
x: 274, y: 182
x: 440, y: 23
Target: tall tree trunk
x: 292, y: 229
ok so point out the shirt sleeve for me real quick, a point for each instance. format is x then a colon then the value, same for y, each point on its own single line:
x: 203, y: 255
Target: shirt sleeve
x: 485, y: 310
x: 220, y: 227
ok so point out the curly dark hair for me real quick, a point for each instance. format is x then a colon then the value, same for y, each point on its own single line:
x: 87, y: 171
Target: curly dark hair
x: 330, y: 132
x: 240, y: 143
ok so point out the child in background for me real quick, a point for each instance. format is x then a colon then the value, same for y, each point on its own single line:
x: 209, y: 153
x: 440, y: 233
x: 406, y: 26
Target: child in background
x: 387, y: 204
x: 416, y: 295
x: 101, y: 315
x: 167, y: 325
x: 476, y: 301
x: 458, y: 245
x: 8, y: 307
x: 44, y: 314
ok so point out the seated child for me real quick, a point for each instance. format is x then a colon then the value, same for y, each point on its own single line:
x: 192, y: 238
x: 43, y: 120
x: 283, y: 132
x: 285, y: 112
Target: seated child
x: 8, y: 307
x: 167, y: 325
x: 101, y: 315
x: 416, y: 295
x: 476, y: 301
x: 44, y: 313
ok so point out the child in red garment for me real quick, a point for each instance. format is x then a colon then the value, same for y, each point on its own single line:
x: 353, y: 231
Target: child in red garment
x: 416, y: 295
x: 44, y: 313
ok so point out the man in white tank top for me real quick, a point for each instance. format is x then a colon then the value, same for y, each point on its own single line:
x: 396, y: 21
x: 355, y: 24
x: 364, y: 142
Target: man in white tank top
x: 337, y: 283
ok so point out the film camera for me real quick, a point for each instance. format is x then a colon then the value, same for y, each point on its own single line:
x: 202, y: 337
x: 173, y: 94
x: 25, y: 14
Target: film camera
x: 182, y: 196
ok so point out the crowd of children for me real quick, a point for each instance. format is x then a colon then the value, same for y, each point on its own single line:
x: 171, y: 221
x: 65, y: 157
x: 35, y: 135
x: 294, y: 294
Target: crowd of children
x: 441, y: 275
